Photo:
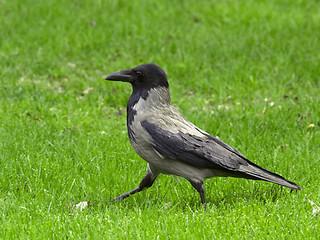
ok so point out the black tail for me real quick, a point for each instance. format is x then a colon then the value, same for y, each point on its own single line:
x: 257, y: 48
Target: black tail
x: 253, y: 171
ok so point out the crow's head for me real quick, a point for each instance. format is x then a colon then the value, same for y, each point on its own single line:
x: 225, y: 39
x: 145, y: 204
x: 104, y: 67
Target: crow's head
x: 147, y: 75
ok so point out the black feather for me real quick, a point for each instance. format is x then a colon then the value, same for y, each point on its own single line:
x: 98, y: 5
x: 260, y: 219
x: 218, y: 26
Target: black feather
x: 194, y: 150
x: 209, y: 152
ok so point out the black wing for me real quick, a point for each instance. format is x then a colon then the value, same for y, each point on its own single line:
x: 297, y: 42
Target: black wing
x: 205, y: 151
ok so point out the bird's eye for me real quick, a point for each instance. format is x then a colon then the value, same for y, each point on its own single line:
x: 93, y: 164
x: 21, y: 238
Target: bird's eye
x: 139, y: 73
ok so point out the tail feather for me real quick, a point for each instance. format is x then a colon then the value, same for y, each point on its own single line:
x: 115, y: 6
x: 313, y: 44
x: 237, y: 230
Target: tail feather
x: 256, y: 172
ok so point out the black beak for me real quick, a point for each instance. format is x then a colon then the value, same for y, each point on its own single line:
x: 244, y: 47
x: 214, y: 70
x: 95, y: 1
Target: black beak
x: 123, y: 76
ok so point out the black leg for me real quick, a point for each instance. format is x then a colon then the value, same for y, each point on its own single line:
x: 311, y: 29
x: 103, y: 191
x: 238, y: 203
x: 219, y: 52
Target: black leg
x: 146, y: 182
x: 200, y: 188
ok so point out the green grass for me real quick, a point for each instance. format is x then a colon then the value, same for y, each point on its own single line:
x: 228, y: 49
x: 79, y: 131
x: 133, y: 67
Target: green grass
x: 246, y: 71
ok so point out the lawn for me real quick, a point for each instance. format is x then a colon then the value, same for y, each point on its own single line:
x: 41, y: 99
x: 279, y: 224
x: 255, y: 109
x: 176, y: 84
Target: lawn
x: 245, y: 71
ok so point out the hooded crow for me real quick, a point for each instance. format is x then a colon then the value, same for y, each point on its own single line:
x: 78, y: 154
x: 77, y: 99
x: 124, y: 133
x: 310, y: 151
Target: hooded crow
x: 173, y: 145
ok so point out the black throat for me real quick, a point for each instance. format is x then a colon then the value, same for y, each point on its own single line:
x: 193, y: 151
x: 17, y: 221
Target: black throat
x: 137, y: 94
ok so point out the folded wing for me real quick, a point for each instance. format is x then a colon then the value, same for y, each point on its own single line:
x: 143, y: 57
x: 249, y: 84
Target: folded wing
x: 206, y: 151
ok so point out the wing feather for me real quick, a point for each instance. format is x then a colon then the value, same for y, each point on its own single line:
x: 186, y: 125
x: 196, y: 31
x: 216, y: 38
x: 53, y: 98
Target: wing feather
x: 204, y: 152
